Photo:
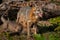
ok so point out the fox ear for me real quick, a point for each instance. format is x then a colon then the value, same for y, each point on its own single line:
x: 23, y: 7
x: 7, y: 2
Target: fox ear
x: 2, y: 19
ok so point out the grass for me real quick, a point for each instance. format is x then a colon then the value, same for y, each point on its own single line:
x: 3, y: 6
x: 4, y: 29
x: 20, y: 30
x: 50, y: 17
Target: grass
x: 51, y: 36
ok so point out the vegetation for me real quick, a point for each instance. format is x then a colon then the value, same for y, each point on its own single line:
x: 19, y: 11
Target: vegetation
x: 6, y: 36
x: 39, y: 37
x: 55, y: 21
x: 51, y: 36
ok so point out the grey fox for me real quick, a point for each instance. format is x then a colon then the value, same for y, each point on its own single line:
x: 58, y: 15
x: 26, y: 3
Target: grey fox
x: 11, y: 26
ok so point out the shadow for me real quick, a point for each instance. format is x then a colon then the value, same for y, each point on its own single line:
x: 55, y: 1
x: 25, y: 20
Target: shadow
x: 12, y: 14
x: 46, y: 29
x: 1, y: 1
x: 13, y: 34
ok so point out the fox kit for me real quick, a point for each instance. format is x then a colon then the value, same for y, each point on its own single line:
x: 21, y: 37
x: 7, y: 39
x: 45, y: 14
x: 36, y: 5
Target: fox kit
x: 11, y: 26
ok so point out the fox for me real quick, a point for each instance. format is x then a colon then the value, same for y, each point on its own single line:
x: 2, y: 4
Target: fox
x: 10, y: 25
